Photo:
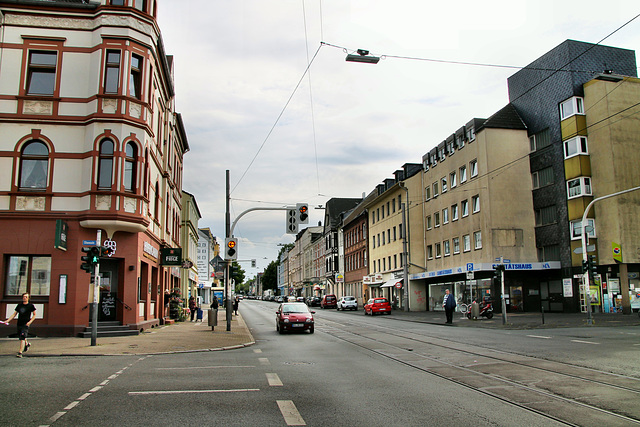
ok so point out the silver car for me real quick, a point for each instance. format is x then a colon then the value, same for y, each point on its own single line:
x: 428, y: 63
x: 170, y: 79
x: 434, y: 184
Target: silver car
x: 350, y: 303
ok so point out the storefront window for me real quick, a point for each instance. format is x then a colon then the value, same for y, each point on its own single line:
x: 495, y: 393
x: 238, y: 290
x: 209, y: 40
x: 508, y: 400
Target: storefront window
x: 30, y: 274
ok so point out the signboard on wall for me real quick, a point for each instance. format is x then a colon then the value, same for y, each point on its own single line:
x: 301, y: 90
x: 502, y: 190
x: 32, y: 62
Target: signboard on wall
x: 171, y: 256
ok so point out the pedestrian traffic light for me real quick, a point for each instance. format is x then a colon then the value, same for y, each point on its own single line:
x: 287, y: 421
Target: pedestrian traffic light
x: 303, y: 213
x: 91, y: 258
x: 231, y: 250
x: 292, y: 221
x: 585, y: 265
x: 593, y: 267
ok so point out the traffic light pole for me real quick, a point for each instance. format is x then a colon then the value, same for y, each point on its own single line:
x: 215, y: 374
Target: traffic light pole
x: 96, y: 293
x: 228, y: 230
x: 585, y: 240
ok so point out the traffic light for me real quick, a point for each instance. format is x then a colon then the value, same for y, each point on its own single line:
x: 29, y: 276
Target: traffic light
x: 593, y: 267
x: 230, y: 248
x: 497, y: 273
x: 303, y: 213
x: 585, y: 265
x: 91, y: 258
x: 292, y: 221
x: 105, y: 251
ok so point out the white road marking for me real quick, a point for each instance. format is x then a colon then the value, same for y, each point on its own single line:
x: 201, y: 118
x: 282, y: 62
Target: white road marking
x: 84, y: 396
x: 71, y: 405
x: 274, y: 380
x: 148, y: 393
x: 290, y: 413
x: 264, y: 361
x: 586, y: 342
x: 56, y: 416
x: 257, y: 350
x: 539, y: 336
x: 93, y: 390
x: 206, y: 367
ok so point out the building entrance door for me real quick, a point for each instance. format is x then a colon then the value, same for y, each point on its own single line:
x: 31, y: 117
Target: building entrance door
x: 551, y: 296
x: 108, y: 307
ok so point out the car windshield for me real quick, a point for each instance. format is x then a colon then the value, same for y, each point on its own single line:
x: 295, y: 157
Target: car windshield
x: 380, y: 301
x: 295, y: 308
x: 349, y: 298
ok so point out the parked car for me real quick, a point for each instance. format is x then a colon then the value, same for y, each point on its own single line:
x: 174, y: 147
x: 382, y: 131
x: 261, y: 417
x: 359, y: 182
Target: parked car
x: 377, y: 305
x: 291, y: 299
x: 294, y: 316
x: 350, y: 303
x: 329, y: 301
x: 300, y: 299
x: 279, y: 298
x: 314, y: 301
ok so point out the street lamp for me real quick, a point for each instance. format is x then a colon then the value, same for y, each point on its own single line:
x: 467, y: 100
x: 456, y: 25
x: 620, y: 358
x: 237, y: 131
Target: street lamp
x: 362, y: 56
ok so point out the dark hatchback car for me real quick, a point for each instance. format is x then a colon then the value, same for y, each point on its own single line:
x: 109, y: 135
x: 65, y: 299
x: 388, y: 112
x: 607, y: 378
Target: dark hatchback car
x: 314, y: 301
x: 294, y: 316
x: 329, y: 301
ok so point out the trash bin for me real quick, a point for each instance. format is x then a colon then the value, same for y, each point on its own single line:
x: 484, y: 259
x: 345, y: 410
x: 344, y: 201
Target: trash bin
x: 212, y: 317
x: 475, y: 310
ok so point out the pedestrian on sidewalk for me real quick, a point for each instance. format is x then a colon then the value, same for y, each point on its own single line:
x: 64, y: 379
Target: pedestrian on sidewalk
x: 236, y: 301
x: 26, y: 313
x: 449, y: 304
x: 214, y: 303
x: 193, y: 307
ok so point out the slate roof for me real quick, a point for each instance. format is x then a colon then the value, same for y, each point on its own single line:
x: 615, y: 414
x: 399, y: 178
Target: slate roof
x: 506, y: 118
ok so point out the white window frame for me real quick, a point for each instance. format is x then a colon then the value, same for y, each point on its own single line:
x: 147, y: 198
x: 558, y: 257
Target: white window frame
x: 438, y: 250
x: 454, y: 212
x: 453, y: 179
x: 447, y: 248
x: 445, y: 216
x: 464, y: 207
x: 428, y: 222
x: 571, y: 107
x: 473, y: 166
x: 477, y: 240
x: 456, y: 245
x: 575, y: 147
x: 466, y: 243
x: 429, y: 252
x: 443, y: 184
x: 471, y: 134
x: 475, y: 203
x: 435, y: 189
x: 583, y: 187
x: 576, y: 229
x: 427, y: 193
x: 463, y: 174
x: 436, y: 219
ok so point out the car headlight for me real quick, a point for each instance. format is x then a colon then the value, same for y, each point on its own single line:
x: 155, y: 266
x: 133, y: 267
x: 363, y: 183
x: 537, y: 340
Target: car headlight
x: 309, y: 320
x: 286, y: 320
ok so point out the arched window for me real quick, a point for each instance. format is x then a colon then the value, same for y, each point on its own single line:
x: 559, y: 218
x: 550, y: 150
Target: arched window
x: 131, y: 152
x: 105, y: 165
x: 34, y: 166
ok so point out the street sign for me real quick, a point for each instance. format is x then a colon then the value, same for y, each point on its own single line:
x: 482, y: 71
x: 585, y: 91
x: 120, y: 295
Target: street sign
x: 89, y: 243
x: 469, y: 275
x: 590, y: 248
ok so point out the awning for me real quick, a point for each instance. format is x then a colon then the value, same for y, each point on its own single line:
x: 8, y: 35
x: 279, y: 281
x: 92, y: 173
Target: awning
x: 391, y: 283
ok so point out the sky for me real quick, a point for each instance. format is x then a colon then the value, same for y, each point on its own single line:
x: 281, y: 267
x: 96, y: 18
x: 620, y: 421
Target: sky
x: 265, y: 92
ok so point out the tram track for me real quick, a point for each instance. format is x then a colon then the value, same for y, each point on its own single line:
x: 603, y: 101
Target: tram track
x: 566, y: 393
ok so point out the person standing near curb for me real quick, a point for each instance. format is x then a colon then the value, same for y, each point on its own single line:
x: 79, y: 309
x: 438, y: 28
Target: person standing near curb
x: 192, y: 307
x: 26, y: 313
x: 449, y: 304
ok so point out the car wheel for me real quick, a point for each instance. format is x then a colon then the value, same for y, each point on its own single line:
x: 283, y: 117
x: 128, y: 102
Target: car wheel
x: 311, y: 330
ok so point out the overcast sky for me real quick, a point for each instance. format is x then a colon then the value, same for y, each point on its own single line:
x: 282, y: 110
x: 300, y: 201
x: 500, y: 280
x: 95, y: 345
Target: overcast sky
x: 342, y: 128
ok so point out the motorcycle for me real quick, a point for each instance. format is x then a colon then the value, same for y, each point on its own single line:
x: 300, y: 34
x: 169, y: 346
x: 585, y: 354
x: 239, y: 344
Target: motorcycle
x: 486, y: 310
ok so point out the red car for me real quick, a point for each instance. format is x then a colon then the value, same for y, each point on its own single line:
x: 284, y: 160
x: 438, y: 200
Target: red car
x: 377, y: 305
x: 294, y: 316
x: 329, y: 301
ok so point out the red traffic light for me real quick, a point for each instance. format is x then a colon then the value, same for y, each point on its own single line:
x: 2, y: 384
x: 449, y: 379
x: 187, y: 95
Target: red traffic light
x: 231, y: 244
x: 303, y: 209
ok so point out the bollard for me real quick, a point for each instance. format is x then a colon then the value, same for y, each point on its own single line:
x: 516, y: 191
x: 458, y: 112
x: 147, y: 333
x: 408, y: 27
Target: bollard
x: 543, y: 315
x: 213, y: 318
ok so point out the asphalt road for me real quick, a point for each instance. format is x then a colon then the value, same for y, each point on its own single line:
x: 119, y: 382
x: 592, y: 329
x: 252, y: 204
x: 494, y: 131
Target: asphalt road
x: 354, y: 370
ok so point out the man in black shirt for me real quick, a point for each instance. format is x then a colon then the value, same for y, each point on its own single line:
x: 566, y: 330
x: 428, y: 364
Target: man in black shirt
x: 26, y: 313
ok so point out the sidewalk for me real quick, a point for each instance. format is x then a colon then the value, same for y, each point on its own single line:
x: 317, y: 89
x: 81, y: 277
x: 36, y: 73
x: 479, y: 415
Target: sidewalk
x: 522, y: 320
x: 197, y: 336
x: 176, y: 338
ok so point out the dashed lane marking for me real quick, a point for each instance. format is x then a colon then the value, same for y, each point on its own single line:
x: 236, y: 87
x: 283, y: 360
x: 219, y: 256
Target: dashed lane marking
x: 290, y: 413
x: 274, y: 380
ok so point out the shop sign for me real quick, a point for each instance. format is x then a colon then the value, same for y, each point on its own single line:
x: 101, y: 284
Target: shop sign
x: 62, y: 229
x: 150, y: 250
x: 339, y: 278
x: 171, y: 257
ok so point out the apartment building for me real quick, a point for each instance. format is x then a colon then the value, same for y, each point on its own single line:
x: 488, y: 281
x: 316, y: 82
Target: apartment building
x: 91, y: 149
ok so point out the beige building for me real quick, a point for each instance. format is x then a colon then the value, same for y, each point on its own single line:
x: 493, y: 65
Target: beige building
x: 478, y: 209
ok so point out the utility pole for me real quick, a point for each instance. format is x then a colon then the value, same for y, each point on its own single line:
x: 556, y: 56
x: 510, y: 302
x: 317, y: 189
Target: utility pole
x: 405, y: 262
x: 227, y: 296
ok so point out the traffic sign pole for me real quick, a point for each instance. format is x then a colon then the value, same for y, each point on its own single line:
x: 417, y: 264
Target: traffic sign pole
x: 96, y: 294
